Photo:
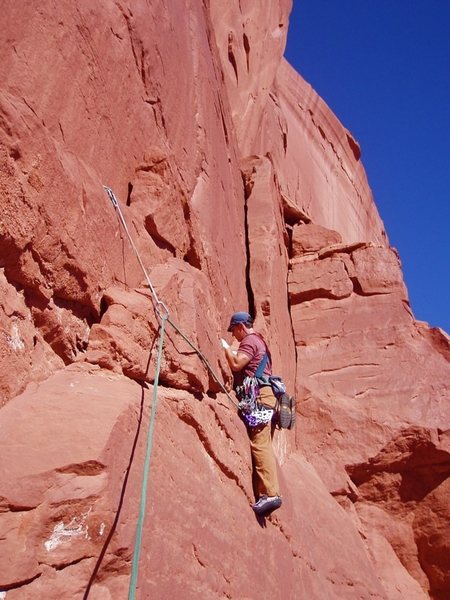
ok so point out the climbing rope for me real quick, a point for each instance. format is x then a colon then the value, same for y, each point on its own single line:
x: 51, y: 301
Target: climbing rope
x: 203, y: 358
x: 158, y: 303
x: 163, y: 313
x: 148, y: 453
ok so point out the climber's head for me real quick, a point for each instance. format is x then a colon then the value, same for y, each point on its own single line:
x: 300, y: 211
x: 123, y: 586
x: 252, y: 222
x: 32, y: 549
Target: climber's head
x: 240, y: 323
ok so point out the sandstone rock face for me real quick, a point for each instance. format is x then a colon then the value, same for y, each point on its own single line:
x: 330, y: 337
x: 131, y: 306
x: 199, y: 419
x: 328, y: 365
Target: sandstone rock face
x: 331, y: 186
x: 240, y: 191
x: 250, y: 41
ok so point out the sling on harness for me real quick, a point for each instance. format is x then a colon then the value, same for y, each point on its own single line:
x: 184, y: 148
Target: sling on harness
x: 251, y: 409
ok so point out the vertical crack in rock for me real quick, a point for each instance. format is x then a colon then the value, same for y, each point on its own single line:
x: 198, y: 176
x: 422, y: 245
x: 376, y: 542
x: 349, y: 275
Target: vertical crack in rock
x: 191, y: 256
x: 220, y: 112
x: 284, y: 134
x: 289, y: 247
x: 247, y: 50
x: 130, y: 190
x: 248, y: 282
x: 138, y: 53
x: 231, y: 56
x: 289, y: 308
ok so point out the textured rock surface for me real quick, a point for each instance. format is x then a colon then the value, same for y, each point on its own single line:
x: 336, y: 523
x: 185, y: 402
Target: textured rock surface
x: 241, y: 190
x: 330, y: 187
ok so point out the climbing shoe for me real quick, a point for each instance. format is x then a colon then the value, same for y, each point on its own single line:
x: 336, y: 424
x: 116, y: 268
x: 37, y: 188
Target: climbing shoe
x: 266, y: 504
x: 286, y: 416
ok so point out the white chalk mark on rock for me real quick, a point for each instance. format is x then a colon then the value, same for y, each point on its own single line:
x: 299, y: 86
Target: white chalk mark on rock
x: 14, y: 340
x: 77, y: 528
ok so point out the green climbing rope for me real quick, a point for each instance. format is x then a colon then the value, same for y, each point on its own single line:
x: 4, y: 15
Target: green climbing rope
x: 148, y: 453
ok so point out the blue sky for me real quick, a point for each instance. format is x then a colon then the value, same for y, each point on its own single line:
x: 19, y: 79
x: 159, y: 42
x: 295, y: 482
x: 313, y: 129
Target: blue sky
x: 383, y: 67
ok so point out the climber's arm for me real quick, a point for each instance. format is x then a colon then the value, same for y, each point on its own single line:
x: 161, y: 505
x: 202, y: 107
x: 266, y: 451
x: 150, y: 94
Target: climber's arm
x: 236, y: 361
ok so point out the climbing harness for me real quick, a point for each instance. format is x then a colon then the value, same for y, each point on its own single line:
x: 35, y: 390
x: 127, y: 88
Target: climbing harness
x: 251, y: 408
x: 163, y: 313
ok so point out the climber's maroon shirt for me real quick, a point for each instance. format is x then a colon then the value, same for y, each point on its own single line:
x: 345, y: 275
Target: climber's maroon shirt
x: 253, y: 346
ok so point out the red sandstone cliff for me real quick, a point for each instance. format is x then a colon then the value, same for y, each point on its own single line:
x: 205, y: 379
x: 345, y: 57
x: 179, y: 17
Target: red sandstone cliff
x: 241, y: 189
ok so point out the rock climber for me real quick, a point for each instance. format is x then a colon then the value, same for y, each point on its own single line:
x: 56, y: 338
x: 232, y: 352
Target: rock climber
x: 251, y: 357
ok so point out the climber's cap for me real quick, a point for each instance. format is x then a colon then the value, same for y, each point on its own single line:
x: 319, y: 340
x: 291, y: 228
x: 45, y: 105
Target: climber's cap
x: 239, y: 318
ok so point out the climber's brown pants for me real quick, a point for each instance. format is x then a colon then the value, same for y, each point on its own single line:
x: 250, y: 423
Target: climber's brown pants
x: 265, y: 478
